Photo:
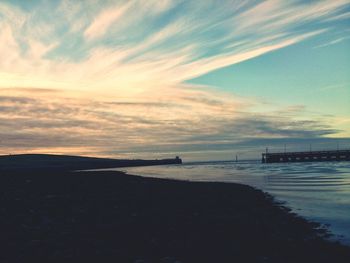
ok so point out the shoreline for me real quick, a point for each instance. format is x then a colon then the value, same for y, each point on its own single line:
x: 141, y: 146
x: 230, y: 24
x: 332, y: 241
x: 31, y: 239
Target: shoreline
x: 108, y: 216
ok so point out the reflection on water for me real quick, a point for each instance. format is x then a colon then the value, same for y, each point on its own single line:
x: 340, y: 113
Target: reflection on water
x: 317, y: 191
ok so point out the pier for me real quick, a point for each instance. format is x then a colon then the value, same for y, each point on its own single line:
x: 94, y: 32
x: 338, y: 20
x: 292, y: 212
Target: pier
x: 308, y: 156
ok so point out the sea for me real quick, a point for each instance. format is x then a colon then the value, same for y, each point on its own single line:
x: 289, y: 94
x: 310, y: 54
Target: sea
x: 318, y: 191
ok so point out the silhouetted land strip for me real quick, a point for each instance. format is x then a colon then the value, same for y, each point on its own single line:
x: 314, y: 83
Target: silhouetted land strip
x: 62, y: 216
x: 69, y: 163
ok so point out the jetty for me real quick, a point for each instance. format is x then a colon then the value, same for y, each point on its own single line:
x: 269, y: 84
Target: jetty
x: 307, y: 156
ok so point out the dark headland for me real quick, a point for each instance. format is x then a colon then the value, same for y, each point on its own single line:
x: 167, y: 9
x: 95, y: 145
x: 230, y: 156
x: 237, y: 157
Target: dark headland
x: 70, y: 163
x: 57, y: 215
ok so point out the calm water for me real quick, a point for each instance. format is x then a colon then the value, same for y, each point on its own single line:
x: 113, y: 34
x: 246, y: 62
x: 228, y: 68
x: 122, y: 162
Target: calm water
x: 317, y: 191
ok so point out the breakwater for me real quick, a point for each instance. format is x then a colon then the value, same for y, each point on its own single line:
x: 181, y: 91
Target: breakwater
x: 308, y: 156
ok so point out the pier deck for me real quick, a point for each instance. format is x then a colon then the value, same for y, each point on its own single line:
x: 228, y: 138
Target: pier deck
x: 309, y: 156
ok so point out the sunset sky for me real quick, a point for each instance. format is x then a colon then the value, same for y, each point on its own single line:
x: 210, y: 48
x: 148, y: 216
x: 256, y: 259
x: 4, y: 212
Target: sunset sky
x: 152, y: 79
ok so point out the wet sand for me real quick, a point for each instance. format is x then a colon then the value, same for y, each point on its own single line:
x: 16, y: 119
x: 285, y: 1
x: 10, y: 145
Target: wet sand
x: 61, y: 216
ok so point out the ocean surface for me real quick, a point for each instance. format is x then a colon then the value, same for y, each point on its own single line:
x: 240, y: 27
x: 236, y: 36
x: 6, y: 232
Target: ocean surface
x: 316, y: 191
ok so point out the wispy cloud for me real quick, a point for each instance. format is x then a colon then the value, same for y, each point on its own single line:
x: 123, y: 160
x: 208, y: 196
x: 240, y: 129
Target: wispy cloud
x: 104, y: 20
x: 33, y: 121
x: 333, y: 42
x: 135, y: 42
x: 122, y: 67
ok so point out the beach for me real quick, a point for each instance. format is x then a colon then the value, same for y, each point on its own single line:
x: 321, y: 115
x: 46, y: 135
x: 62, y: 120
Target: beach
x: 145, y: 131
x: 110, y: 216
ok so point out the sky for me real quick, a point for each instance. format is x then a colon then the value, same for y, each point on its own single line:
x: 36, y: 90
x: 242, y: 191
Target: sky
x: 206, y: 80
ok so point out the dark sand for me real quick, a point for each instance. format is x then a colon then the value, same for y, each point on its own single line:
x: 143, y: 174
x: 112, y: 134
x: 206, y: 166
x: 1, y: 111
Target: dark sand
x: 112, y: 217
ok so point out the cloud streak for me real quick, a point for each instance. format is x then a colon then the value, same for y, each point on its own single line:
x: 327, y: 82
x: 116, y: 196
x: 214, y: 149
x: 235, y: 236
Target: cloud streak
x: 113, y: 128
x: 117, y: 72
x: 105, y: 20
x: 135, y: 42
